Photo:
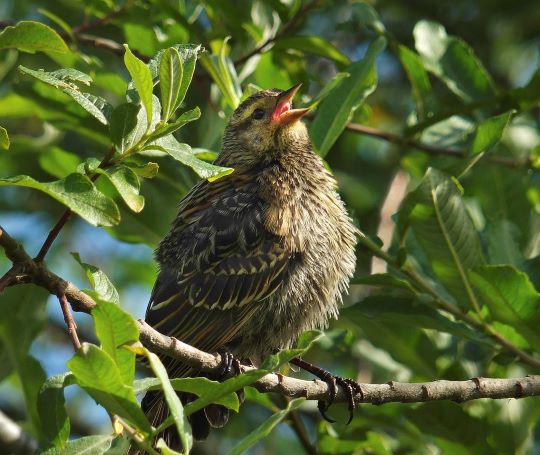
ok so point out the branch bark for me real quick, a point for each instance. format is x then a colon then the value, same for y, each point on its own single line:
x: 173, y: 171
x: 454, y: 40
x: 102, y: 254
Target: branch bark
x: 287, y: 386
x: 13, y: 439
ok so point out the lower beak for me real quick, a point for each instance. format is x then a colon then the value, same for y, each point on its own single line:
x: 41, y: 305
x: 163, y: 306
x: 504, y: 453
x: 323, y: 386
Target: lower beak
x: 283, y: 113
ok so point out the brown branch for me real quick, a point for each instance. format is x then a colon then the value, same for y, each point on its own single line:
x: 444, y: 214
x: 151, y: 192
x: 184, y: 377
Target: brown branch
x: 429, y: 149
x: 287, y: 386
x: 10, y: 276
x: 66, y: 215
x: 99, y: 22
x: 13, y: 439
x: 68, y: 318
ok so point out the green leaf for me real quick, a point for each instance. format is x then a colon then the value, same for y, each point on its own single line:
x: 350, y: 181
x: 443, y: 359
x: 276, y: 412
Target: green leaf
x: 453, y: 61
x: 52, y: 413
x: 176, y: 409
x: 115, y: 328
x: 30, y: 36
x: 89, y: 445
x: 328, y: 88
x: 511, y: 298
x: 99, y: 281
x: 4, y: 139
x: 76, y: 192
x: 58, y: 162
x: 170, y: 128
x: 443, y: 228
x: 146, y: 171
x: 170, y: 81
x: 183, y: 153
x: 125, y: 120
x: 222, y: 390
x: 384, y: 279
x: 334, y: 113
x: 489, y: 132
x: 64, y: 80
x: 96, y: 372
x: 265, y: 428
x: 132, y: 134
x: 502, y: 238
x: 165, y: 450
x: 197, y: 386
x: 274, y: 361
x: 313, y: 45
x: 127, y: 184
x: 419, y: 79
x: 58, y: 21
x: 142, y: 79
x: 223, y: 73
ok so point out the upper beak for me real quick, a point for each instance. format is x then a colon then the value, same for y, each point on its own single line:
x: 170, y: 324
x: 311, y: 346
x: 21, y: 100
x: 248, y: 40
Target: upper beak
x: 283, y: 113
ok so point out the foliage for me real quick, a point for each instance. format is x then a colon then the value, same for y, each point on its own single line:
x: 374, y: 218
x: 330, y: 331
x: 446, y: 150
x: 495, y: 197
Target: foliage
x: 118, y: 133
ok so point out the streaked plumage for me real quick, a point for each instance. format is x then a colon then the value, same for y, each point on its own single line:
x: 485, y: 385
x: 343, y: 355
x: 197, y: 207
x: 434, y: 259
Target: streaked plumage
x: 259, y: 256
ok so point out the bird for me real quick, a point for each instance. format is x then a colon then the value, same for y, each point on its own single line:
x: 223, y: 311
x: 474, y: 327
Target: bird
x: 254, y: 258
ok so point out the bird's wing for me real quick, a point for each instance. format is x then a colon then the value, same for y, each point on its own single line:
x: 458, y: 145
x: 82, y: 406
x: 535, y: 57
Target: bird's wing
x: 225, y: 262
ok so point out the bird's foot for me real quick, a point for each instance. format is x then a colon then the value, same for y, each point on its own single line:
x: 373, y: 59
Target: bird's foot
x: 229, y: 364
x: 350, y: 387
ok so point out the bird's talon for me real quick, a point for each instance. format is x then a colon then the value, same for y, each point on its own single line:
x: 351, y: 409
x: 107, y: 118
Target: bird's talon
x: 227, y: 363
x: 323, y: 407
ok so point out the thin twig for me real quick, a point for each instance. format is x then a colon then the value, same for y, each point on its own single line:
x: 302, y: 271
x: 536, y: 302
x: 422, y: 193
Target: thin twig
x: 300, y: 429
x: 70, y: 322
x: 288, y: 26
x: 99, y: 22
x: 10, y: 276
x: 430, y: 149
x: 66, y: 215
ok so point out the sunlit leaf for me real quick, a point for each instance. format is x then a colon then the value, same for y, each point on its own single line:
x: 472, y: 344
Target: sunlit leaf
x: 127, y: 184
x: 88, y: 445
x: 76, y: 192
x: 4, y: 139
x: 489, y: 132
x: 140, y: 74
x: 170, y: 80
x: 30, y: 36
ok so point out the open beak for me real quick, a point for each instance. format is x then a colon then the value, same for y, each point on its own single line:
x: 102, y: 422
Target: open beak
x: 283, y: 112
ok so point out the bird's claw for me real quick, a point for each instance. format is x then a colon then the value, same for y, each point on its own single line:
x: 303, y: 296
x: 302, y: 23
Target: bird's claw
x: 228, y: 364
x: 350, y: 387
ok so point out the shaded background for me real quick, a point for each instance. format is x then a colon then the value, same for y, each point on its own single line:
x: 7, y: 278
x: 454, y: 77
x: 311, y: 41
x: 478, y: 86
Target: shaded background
x: 47, y: 143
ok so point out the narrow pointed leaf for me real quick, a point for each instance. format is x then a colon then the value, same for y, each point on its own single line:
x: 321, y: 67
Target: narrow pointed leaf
x: 77, y: 193
x: 489, y: 132
x: 89, y: 445
x: 170, y: 128
x: 170, y: 80
x: 334, y: 113
x: 142, y: 78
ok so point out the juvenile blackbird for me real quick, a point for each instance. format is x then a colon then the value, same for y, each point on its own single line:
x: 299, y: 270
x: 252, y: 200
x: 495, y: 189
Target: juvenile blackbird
x: 257, y: 257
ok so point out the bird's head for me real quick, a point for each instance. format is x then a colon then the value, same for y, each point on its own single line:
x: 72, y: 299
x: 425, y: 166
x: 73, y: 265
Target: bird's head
x: 264, y: 126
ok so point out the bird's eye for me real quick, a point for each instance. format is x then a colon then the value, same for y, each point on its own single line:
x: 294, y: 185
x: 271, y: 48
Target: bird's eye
x: 258, y: 114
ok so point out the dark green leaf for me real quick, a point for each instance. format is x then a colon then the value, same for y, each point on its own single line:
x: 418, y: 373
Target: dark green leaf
x: 140, y: 74
x: 489, y: 132
x: 452, y: 60
x: 89, y: 445
x: 502, y: 237
x: 384, y: 279
x: 115, y: 328
x: 170, y: 81
x: 30, y: 36
x: 96, y: 372
x: 313, y: 45
x: 334, y: 113
x: 437, y: 214
x: 265, y: 428
x: 52, y: 413
x: 124, y: 120
x: 76, y: 192
x: 511, y: 298
x: 63, y: 80
x: 419, y: 80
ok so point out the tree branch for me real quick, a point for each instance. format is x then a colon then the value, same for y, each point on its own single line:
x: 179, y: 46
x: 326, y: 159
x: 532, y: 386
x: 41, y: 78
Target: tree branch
x: 287, y: 386
x: 13, y: 439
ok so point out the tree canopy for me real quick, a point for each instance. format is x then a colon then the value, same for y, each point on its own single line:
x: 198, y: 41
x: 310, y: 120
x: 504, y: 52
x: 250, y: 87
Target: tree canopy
x: 427, y: 115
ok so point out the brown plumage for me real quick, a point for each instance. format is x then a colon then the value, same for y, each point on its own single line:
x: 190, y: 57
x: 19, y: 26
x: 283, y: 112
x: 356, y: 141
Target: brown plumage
x: 257, y: 257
